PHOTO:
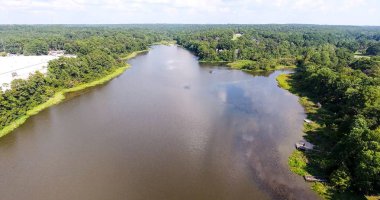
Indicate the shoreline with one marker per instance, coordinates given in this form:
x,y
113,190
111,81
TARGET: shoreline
x,y
298,161
59,96
136,53
133,54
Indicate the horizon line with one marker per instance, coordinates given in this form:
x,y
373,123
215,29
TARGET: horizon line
x,y
32,24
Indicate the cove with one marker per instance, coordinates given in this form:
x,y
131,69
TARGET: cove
x,y
167,128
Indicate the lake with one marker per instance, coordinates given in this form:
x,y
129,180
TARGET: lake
x,y
168,128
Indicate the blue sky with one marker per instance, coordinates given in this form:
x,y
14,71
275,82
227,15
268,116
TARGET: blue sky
x,y
344,12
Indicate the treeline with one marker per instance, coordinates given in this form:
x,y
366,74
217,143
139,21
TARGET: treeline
x,y
98,54
349,90
38,39
271,45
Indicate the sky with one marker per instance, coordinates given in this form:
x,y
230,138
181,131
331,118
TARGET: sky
x,y
334,12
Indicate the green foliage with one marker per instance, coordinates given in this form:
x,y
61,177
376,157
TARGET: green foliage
x,y
321,189
298,163
79,40
242,64
367,66
280,44
282,81
374,50
350,96
341,178
36,47
376,58
346,129
165,42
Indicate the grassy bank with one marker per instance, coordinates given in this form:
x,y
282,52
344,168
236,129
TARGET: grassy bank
x,y
309,163
243,64
246,64
239,64
133,54
60,95
282,81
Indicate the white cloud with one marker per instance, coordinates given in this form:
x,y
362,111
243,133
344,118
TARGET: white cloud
x,y
41,4
310,4
352,4
190,11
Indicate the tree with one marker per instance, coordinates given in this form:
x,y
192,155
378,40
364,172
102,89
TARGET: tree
x,y
374,50
36,47
341,178
359,150
364,64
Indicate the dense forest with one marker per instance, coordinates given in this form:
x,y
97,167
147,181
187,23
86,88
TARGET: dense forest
x,y
337,66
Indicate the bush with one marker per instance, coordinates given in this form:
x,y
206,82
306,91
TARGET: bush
x,y
341,179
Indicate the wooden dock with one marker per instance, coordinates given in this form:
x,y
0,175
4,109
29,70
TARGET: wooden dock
x,y
307,121
304,146
310,178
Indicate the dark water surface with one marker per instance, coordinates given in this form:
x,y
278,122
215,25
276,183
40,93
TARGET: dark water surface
x,y
165,129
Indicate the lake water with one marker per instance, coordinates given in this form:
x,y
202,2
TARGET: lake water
x,y
166,129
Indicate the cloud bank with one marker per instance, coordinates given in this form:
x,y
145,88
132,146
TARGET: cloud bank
x,y
345,12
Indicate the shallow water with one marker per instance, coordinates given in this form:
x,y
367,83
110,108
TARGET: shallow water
x,y
165,129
